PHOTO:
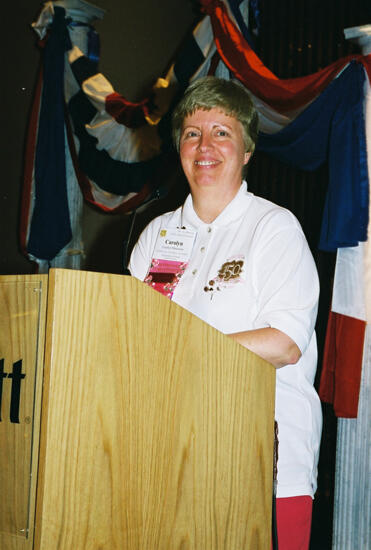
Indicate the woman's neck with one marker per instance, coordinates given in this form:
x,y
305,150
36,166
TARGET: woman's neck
x,y
208,205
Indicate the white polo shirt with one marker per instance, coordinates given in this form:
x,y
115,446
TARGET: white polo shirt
x,y
252,268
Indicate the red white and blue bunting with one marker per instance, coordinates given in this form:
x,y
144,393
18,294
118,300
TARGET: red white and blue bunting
x,y
118,147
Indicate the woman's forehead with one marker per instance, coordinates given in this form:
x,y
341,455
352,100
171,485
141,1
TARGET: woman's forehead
x,y
213,115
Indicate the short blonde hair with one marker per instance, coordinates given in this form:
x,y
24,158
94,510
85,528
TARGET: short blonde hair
x,y
229,96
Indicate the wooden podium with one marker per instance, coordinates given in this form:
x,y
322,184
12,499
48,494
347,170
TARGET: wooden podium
x,y
126,422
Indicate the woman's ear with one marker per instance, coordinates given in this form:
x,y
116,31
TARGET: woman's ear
x,y
247,158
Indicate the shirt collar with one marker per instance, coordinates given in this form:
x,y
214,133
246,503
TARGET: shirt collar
x,y
231,212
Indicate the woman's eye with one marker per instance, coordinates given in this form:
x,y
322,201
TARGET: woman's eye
x,y
222,133
190,134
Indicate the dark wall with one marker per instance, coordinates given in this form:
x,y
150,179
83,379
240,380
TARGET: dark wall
x,y
20,61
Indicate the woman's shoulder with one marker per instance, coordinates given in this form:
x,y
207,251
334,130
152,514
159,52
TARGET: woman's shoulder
x,y
168,219
267,213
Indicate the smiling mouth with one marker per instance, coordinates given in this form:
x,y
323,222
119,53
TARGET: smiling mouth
x,y
206,162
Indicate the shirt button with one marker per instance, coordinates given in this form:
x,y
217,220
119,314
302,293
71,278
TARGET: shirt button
x,y
194,272
202,249
209,229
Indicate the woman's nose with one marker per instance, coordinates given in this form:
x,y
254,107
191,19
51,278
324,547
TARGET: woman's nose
x,y
205,142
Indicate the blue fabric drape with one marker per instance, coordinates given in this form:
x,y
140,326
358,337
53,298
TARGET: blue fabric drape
x,y
332,128
50,228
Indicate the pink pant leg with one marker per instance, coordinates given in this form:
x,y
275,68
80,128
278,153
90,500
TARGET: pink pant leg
x,y
294,518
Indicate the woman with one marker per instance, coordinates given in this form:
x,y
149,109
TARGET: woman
x,y
246,270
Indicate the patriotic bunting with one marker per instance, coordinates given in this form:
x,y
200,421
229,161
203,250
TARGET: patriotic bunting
x,y
51,201
117,147
329,126
343,354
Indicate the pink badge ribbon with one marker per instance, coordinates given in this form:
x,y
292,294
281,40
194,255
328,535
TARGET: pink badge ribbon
x,y
164,275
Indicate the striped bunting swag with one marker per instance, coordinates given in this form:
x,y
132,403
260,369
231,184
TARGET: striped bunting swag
x,y
118,147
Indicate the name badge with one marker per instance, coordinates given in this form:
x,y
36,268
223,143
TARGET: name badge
x,y
171,255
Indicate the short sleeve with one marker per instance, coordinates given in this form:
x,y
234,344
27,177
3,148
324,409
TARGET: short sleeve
x,y
141,255
285,279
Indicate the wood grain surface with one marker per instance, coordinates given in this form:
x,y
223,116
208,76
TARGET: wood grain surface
x,y
22,324
157,430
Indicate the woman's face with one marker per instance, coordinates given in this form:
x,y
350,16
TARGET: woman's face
x,y
212,151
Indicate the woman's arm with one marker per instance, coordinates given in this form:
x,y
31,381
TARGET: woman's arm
x,y
271,344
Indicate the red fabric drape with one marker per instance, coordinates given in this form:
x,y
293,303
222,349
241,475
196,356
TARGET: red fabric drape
x,y
283,95
125,112
342,364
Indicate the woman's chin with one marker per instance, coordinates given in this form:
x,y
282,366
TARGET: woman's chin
x,y
206,180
